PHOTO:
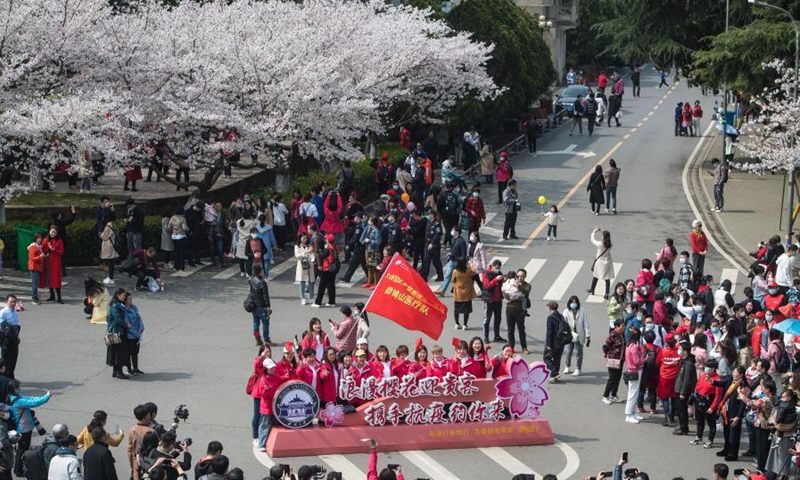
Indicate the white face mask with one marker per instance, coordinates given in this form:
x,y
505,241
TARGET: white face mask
x,y
768,318
680,352
707,370
453,233
649,326
683,261
473,238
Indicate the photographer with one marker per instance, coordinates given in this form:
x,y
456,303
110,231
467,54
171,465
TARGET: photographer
x,y
152,409
281,471
219,467
392,472
167,453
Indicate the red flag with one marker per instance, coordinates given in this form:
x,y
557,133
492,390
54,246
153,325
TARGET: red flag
x,y
403,297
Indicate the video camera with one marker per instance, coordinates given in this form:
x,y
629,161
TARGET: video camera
x,y
181,413
317,471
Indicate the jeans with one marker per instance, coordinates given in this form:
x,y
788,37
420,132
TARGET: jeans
x,y
265,265
611,194
633,393
579,122
719,196
552,230
704,418
304,290
515,319
590,123
612,384
670,407
260,317
134,241
492,309
264,426
577,347
86,184
35,284
216,249
256,421
448,273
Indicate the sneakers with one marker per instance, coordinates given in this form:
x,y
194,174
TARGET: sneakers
x,y
36,301
631,419
303,301
678,431
458,327
696,441
576,373
708,445
566,370
439,292
330,304
616,399
316,305
548,238
638,417
606,400
108,281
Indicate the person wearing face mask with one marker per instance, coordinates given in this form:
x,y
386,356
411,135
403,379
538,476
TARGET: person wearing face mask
x,y
492,297
684,386
732,410
707,397
716,336
659,332
476,254
774,300
634,319
705,290
759,326
433,247
775,351
783,421
476,214
723,297
510,205
650,371
700,352
668,362
449,206
699,243
578,321
686,272
458,253
614,353
634,360
700,315
645,293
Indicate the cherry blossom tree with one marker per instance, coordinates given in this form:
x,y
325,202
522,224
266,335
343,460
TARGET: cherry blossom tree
x,y
74,76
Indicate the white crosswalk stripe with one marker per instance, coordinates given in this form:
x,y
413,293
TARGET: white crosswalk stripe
x,y
533,267
284,266
731,274
339,463
564,280
598,298
428,465
229,272
189,271
507,461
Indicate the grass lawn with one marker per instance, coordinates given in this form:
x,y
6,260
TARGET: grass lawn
x,y
35,199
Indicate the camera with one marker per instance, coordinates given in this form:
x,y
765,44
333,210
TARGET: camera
x,y
317,472
739,471
334,476
181,413
393,466
181,445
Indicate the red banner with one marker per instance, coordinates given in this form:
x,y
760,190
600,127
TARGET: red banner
x,y
405,298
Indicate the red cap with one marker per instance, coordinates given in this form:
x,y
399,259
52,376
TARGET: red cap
x,y
456,342
288,347
329,237
353,194
391,192
681,329
759,315
772,285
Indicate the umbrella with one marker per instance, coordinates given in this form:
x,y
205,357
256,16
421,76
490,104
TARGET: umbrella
x,y
728,129
790,326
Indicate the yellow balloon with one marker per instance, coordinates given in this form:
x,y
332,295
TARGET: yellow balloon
x,y
405,197
542,200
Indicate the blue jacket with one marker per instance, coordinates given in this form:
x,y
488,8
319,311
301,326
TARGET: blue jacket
x,y
630,319
267,237
374,235
115,322
21,410
134,323
317,201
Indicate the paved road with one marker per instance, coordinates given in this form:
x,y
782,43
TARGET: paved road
x,y
198,349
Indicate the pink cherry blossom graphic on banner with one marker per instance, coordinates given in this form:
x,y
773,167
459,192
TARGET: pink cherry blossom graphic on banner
x,y
523,386
332,414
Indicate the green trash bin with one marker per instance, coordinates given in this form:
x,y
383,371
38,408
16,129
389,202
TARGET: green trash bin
x,y
25,235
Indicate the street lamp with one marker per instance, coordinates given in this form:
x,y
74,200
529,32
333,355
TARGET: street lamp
x,y
758,3
544,24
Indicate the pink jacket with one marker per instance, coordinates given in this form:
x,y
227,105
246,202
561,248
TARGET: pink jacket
x,y
333,222
660,315
633,357
645,277
774,354
502,172
258,369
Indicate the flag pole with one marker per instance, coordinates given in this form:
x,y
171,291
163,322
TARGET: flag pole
x,y
379,281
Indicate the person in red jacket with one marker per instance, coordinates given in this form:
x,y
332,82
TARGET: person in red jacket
x,y
329,375
668,362
492,280
285,368
401,364
35,266
308,370
383,174
773,300
439,364
258,370
361,371
644,285
53,249
405,138
500,361
503,171
315,339
707,396
758,332
271,384
381,364
421,368
602,82
699,243
386,473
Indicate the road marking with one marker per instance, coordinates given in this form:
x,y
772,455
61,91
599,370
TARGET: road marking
x,y
634,129
533,267
573,460
599,298
572,192
650,113
355,279
695,210
661,101
507,461
228,272
263,458
571,148
491,231
646,118
564,280
428,465
654,109
626,136
665,96
289,263
730,274
339,463
639,125
189,271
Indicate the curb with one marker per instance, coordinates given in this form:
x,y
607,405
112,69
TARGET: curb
x,y
700,200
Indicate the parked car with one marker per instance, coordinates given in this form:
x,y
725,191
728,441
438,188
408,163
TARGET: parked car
x,y
569,95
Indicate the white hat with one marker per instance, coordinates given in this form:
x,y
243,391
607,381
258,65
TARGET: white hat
x,y
696,222
362,341
268,363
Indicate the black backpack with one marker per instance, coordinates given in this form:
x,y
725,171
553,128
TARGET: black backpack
x,y
33,464
563,333
650,367
784,363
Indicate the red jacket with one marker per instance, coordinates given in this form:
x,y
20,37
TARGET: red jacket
x,y
400,368
661,316
308,374
475,367
284,370
502,171
258,369
35,258
705,388
421,370
602,81
645,277
494,285
271,384
326,383
775,302
755,339
499,366
439,370
326,342
372,471
699,242
474,208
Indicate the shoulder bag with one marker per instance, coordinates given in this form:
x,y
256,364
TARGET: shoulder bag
x,y
112,338
591,269
613,363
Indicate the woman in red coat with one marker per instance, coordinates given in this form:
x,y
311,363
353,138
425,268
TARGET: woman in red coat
x,y
315,338
53,249
500,361
332,207
439,364
421,368
329,375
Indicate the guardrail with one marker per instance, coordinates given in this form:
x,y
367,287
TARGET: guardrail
x,y
520,143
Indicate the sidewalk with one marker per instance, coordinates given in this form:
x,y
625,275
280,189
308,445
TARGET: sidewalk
x,y
754,204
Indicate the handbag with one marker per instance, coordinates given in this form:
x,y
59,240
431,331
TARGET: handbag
x,y
305,264
112,339
251,383
614,363
643,291
591,269
249,304
630,376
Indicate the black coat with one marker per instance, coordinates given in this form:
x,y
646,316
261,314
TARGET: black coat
x,y
687,377
595,188
553,322
98,463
